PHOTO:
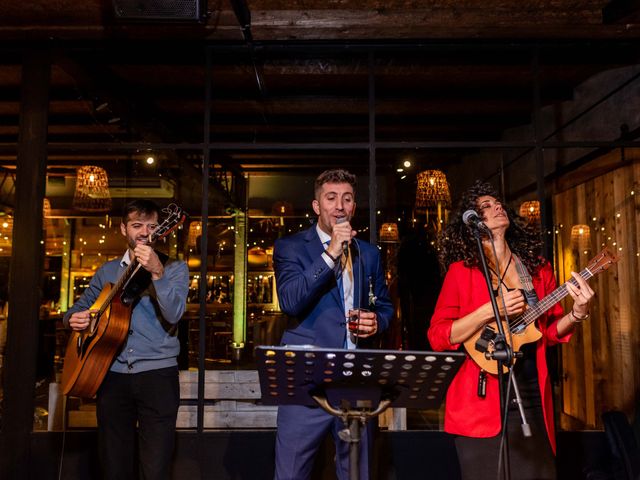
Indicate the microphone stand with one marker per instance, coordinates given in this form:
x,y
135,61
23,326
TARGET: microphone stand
x,y
503,354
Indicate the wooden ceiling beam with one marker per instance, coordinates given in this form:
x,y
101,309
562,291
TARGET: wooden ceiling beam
x,y
288,20
622,12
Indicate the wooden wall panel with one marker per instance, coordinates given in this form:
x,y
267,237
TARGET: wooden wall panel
x,y
601,364
599,332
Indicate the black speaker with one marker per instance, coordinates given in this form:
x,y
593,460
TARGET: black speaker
x,y
163,10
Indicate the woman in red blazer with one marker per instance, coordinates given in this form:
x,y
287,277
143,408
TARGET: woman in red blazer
x,y
472,410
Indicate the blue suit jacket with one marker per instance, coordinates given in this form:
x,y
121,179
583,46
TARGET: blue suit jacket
x,y
308,291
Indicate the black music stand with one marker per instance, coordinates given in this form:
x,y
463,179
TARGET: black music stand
x,y
354,385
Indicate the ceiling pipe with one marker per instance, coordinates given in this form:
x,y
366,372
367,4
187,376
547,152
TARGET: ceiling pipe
x,y
243,15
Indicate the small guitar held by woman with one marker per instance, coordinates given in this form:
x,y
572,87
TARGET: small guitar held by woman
x,y
522,329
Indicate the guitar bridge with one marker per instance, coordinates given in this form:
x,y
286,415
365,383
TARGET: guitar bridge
x,y
486,338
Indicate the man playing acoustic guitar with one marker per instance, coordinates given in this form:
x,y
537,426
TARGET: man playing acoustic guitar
x,y
141,387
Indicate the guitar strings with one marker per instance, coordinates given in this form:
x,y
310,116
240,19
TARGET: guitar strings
x,y
543,305
531,314
589,271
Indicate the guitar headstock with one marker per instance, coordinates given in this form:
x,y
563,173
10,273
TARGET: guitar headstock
x,y
602,261
175,217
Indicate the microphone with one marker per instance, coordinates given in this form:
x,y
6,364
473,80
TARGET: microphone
x,y
345,244
472,219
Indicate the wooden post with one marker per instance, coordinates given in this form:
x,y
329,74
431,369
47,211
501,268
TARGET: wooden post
x,y
26,267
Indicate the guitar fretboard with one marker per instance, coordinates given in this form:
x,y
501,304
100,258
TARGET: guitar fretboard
x,y
118,286
546,303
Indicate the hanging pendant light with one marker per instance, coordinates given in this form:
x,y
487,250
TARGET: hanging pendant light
x,y
530,211
389,233
432,194
433,189
92,190
581,237
195,230
46,208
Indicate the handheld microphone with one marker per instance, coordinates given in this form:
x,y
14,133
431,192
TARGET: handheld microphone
x,y
472,219
345,244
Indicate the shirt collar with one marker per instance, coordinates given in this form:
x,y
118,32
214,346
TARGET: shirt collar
x,y
126,259
324,237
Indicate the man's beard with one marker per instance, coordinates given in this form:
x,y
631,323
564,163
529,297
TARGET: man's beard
x,y
133,242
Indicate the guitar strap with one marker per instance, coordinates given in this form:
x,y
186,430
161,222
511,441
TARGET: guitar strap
x,y
531,298
139,282
530,294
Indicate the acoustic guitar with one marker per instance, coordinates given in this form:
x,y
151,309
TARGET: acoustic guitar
x,y
90,352
522,329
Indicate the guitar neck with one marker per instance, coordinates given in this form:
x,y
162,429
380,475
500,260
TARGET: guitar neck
x,y
124,278
549,301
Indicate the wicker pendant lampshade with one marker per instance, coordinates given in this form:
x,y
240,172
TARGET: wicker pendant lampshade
x,y
389,233
46,208
531,211
433,190
195,230
432,194
92,190
581,237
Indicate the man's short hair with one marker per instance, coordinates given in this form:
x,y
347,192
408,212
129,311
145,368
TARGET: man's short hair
x,y
141,206
335,176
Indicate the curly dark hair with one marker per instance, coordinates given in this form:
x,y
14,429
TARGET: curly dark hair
x,y
457,243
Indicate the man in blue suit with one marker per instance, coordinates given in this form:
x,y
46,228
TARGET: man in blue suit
x,y
324,275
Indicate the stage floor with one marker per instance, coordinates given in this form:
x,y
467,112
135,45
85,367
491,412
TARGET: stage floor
x,y
242,454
